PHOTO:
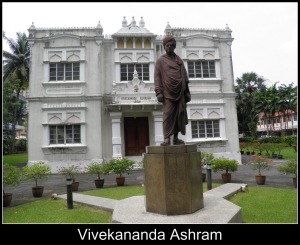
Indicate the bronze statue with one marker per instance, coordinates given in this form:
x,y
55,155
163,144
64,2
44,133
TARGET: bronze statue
x,y
171,88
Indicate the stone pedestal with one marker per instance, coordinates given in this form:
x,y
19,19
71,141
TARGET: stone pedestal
x,y
173,179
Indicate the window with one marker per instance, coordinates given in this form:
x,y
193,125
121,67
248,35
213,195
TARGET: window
x,y
64,71
127,71
65,134
201,69
206,129
295,117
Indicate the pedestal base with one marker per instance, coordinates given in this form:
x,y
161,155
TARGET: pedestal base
x,y
173,179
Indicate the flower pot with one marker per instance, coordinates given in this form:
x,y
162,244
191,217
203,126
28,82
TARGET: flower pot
x,y
274,156
75,185
7,197
242,152
120,181
37,191
295,181
260,179
248,152
99,183
279,156
226,177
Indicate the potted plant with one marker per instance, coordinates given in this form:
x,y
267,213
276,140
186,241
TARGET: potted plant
x,y
280,147
120,166
98,169
242,147
260,163
11,177
224,164
37,172
289,167
206,158
70,172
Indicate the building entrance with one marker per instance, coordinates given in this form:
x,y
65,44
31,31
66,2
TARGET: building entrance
x,y
136,130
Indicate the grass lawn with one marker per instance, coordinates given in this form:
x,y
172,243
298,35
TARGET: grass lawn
x,y
15,158
54,211
267,205
259,205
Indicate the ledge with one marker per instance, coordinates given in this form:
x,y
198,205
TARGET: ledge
x,y
64,149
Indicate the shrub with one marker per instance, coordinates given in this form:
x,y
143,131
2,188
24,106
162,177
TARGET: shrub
x,y
289,167
70,171
37,171
97,168
121,166
260,163
206,158
224,164
11,175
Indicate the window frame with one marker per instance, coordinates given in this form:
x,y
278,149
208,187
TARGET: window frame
x,y
63,72
205,132
64,138
196,69
143,71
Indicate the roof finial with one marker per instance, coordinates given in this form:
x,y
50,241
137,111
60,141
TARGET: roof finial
x,y
99,26
133,22
124,22
142,22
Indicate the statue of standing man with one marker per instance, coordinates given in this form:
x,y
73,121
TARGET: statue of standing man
x,y
171,88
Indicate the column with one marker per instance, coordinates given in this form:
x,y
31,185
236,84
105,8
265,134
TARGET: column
x,y
158,127
116,134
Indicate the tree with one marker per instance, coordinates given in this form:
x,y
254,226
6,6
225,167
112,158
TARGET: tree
x,y
15,79
247,86
273,102
288,102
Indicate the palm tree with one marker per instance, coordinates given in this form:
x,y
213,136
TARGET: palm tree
x,y
273,101
16,71
247,86
288,103
262,105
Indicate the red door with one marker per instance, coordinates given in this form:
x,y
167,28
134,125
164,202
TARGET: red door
x,y
136,135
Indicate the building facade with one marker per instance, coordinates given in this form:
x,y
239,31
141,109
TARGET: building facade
x,y
91,97
280,124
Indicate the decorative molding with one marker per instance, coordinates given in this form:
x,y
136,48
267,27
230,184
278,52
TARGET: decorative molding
x,y
67,149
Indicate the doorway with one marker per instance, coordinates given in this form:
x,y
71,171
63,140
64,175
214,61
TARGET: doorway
x,y
136,131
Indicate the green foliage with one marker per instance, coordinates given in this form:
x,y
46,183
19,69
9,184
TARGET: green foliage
x,y
37,171
224,164
206,158
70,171
290,141
97,168
21,145
11,175
289,167
15,80
247,139
279,147
121,166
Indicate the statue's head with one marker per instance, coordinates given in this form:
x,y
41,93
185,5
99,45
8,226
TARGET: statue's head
x,y
169,38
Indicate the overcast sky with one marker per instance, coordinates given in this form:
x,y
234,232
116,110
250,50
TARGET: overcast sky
x,y
265,34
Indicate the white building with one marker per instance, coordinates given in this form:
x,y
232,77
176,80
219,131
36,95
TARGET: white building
x,y
91,97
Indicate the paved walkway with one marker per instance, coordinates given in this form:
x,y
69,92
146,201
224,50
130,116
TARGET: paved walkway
x,y
55,183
